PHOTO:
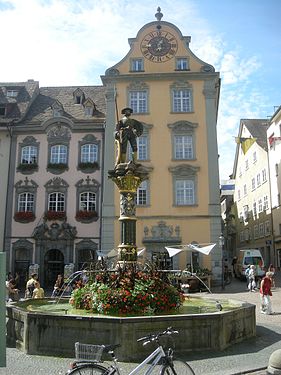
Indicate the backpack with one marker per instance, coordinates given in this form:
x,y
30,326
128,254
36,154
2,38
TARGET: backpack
x,y
247,271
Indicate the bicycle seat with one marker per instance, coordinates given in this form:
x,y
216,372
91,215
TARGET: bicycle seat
x,y
110,348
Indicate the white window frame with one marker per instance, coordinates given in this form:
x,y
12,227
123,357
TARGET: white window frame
x,y
182,100
261,230
253,183
87,201
264,177
26,202
142,143
182,63
142,194
89,153
58,154
258,180
260,205
265,202
138,101
56,202
185,192
137,65
29,155
183,147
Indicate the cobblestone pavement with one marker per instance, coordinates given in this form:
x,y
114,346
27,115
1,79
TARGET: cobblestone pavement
x,y
248,357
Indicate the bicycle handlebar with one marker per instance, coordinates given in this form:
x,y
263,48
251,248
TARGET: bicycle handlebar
x,y
155,336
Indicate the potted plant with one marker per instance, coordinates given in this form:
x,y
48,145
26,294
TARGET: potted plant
x,y
88,166
86,216
24,216
55,215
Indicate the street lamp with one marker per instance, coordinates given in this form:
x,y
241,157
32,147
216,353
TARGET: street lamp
x,y
221,243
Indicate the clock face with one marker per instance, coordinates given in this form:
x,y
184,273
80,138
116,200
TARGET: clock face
x,y
159,46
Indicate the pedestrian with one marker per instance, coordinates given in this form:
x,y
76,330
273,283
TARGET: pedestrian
x,y
265,293
38,292
12,293
233,263
252,286
30,285
247,270
59,286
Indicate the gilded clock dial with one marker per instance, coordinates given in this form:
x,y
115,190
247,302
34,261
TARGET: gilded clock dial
x,y
159,46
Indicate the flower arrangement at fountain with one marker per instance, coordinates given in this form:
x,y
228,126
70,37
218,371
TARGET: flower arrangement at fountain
x,y
128,291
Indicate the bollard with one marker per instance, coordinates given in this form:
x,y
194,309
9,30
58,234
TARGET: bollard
x,y
274,363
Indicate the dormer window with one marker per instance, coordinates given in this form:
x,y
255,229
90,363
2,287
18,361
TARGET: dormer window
x,y
79,96
12,93
89,107
182,63
57,109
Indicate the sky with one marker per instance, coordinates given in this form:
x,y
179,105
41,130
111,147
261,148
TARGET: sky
x,y
72,43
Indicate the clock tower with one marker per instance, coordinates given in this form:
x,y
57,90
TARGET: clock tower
x,y
175,95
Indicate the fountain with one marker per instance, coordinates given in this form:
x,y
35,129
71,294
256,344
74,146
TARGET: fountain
x,y
55,329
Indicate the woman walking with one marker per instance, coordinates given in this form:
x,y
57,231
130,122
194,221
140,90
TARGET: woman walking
x,y
265,293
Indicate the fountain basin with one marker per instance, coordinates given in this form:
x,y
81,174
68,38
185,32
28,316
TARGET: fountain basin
x,y
55,334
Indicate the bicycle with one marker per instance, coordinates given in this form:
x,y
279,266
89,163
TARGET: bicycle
x,y
88,358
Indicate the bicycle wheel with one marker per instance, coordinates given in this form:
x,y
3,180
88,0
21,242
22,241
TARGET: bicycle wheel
x,y
179,368
88,369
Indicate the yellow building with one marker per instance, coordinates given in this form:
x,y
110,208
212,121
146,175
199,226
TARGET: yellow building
x,y
175,95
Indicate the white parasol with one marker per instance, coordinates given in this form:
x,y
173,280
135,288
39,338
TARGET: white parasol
x,y
201,248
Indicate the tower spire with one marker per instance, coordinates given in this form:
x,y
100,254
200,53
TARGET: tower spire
x,y
158,15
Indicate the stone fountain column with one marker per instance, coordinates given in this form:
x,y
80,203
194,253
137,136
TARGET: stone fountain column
x,y
128,177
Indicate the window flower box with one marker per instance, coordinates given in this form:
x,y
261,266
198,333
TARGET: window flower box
x,y
86,216
24,216
88,166
27,168
55,215
57,168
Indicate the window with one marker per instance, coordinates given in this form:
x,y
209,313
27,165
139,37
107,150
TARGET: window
x,y
138,101
246,212
182,100
254,157
267,228
253,184
12,93
87,201
56,202
246,164
261,230
137,65
276,170
242,236
142,194
240,171
26,202
239,194
265,202
181,63
183,147
185,192
29,155
142,147
59,154
245,190
89,111
263,175
258,179
89,153
256,231
260,205
255,209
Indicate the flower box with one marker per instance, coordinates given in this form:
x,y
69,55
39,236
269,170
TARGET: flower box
x,y
86,216
55,215
24,216
27,168
57,168
88,166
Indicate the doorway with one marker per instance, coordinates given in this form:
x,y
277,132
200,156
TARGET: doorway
x,y
53,265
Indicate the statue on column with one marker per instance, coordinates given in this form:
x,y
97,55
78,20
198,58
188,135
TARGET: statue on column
x,y
127,130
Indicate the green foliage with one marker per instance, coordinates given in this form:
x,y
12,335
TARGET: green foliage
x,y
126,292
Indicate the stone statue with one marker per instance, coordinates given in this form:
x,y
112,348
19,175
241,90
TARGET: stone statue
x,y
127,129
